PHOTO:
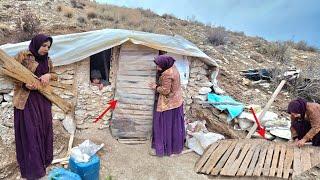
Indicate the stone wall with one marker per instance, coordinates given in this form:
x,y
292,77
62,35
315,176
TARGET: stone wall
x,y
6,111
90,101
198,86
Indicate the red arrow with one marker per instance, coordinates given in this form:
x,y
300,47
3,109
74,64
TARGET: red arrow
x,y
261,131
112,104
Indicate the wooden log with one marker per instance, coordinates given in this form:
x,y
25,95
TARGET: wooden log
x,y
266,108
216,125
14,69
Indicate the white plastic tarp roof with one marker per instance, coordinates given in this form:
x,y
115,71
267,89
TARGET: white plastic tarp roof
x,y
70,48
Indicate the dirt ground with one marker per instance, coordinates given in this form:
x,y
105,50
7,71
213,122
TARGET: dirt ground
x,y
123,161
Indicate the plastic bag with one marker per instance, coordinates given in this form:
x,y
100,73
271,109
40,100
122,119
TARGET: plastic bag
x,y
85,150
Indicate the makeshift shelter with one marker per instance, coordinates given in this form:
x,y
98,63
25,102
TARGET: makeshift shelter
x,y
125,59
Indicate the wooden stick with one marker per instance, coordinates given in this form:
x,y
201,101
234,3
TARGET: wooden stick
x,y
14,69
266,108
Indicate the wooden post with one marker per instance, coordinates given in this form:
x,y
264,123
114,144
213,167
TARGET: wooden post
x,y
266,108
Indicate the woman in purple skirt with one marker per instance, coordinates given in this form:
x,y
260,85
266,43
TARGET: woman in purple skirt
x,y
32,112
168,135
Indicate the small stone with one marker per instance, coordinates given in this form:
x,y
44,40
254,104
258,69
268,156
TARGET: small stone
x,y
204,90
67,77
69,82
201,97
58,116
1,98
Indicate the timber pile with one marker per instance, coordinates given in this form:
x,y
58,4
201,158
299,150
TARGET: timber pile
x,y
257,158
12,68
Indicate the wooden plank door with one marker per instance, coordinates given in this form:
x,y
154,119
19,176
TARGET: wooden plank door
x,y
133,115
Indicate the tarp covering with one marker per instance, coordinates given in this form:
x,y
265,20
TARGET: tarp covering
x,y
233,110
71,48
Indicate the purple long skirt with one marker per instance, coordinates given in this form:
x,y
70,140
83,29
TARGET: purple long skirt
x,y
34,136
302,128
168,135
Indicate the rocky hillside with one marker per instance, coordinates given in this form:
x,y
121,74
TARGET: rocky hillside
x,y
234,51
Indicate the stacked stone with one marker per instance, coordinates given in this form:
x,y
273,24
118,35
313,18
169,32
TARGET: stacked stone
x,y
199,84
6,110
91,101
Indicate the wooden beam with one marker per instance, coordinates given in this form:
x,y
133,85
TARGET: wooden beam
x,y
266,108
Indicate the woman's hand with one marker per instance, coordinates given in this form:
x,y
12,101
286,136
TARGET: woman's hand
x,y
45,79
32,86
301,142
152,85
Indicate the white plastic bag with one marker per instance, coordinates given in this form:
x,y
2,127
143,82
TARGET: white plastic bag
x,y
85,150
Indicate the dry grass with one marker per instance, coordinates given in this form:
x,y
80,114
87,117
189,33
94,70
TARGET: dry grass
x,y
91,14
27,26
303,45
82,20
217,36
68,12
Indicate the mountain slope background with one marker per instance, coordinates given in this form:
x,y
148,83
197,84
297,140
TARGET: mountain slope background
x,y
234,51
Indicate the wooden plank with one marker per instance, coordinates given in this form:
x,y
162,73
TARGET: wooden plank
x,y
232,158
140,66
136,90
135,107
275,159
235,166
262,157
126,84
138,72
315,156
297,167
288,162
120,115
267,163
220,150
246,161
265,109
137,60
135,96
134,101
283,152
203,159
305,159
254,161
136,78
221,163
134,112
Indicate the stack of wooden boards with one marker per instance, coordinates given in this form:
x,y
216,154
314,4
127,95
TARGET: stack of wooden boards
x,y
253,157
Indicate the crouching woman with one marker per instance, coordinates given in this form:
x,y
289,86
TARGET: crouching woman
x,y
305,122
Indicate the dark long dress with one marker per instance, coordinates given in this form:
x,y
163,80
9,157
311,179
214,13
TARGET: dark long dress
x,y
34,133
302,128
168,132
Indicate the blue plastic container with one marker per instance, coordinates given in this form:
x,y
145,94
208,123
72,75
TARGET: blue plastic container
x,y
88,170
62,174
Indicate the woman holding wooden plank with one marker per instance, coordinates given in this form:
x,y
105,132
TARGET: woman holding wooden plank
x,y
168,133
32,112
305,122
